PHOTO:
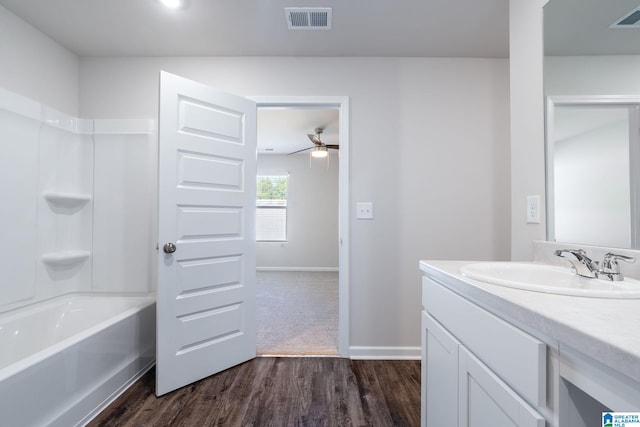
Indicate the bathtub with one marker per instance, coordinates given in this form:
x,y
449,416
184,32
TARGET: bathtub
x,y
64,359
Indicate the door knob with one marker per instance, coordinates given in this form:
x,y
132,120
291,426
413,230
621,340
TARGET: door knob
x,y
169,248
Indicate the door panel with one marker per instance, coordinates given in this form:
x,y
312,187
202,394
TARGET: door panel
x,y
484,399
442,375
206,288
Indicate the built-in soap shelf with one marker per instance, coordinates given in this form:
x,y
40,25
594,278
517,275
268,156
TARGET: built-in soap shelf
x,y
65,258
67,200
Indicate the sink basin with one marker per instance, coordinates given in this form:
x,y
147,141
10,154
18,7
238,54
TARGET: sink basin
x,y
549,279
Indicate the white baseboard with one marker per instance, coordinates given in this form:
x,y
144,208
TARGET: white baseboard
x,y
384,353
297,269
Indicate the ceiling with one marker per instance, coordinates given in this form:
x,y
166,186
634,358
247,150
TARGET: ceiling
x,y
383,28
581,27
283,131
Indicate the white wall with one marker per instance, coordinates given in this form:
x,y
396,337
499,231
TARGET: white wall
x,y
429,147
592,75
35,66
312,214
527,123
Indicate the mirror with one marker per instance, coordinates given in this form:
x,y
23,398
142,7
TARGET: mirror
x,y
592,170
592,89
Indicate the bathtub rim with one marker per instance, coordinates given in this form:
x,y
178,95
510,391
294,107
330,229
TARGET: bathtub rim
x,y
146,299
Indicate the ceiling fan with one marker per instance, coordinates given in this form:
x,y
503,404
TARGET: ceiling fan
x,y
319,148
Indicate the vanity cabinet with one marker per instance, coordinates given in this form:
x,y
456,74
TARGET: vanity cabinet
x,y
441,352
478,370
494,355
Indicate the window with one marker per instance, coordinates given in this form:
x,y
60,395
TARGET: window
x,y
271,208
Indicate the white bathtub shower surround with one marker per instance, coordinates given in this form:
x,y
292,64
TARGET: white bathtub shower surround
x,y
64,359
125,205
65,204
78,203
19,133
78,207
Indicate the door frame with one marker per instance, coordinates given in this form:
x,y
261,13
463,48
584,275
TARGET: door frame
x,y
340,103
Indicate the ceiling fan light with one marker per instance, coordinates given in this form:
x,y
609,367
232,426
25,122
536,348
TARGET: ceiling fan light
x,y
319,152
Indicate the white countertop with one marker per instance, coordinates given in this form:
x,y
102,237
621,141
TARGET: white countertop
x,y
607,330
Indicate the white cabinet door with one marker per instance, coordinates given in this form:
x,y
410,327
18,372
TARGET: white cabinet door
x,y
206,267
441,375
485,400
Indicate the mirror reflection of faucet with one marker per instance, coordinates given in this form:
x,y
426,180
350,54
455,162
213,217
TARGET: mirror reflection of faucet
x,y
608,269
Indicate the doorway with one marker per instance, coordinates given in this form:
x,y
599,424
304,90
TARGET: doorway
x,y
206,210
338,105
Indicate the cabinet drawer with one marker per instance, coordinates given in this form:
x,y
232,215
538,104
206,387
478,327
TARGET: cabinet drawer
x,y
516,357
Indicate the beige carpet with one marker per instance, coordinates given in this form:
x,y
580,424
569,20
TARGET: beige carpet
x,y
297,313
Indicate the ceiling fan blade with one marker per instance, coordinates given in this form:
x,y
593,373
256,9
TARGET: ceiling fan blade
x,y
334,146
300,151
314,138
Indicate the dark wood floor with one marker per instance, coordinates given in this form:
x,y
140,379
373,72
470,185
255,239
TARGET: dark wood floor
x,y
278,392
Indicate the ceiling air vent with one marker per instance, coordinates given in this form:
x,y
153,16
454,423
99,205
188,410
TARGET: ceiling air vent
x,y
630,20
308,18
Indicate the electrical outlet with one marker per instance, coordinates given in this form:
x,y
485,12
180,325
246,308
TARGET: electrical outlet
x,y
533,209
364,210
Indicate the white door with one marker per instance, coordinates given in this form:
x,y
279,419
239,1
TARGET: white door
x,y
206,265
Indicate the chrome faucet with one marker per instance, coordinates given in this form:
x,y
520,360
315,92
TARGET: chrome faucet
x,y
608,269
582,264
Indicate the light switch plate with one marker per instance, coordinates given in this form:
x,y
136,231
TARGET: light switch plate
x,y
364,210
